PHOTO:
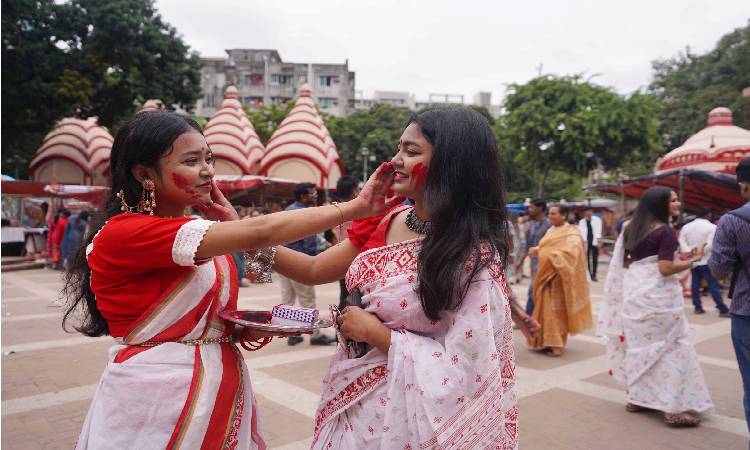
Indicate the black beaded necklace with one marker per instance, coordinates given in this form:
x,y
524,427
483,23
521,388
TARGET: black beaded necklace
x,y
416,224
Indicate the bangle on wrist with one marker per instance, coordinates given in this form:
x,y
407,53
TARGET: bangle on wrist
x,y
341,212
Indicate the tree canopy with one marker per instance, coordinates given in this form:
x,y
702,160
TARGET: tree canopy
x,y
689,86
377,129
84,58
565,125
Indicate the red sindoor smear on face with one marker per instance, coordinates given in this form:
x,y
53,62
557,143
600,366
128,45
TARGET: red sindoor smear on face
x,y
184,184
419,176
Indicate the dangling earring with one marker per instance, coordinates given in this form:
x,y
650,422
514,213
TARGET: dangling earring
x,y
148,201
124,207
147,204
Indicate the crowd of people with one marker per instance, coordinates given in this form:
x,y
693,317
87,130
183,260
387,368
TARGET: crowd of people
x,y
432,258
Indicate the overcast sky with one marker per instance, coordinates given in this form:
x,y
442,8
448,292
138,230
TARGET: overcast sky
x,y
462,46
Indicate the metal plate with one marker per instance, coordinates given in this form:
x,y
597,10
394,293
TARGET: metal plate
x,y
264,321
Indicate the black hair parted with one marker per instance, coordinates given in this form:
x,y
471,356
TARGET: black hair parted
x,y
464,196
142,140
652,209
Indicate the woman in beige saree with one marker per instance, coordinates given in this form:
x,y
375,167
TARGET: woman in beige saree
x,y
561,289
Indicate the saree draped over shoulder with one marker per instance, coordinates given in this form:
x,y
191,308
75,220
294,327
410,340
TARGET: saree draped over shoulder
x,y
167,394
561,289
649,349
443,384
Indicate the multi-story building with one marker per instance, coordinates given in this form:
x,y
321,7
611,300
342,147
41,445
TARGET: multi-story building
x,y
262,78
395,98
483,98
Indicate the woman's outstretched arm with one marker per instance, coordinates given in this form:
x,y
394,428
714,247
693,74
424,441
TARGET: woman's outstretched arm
x,y
288,226
326,267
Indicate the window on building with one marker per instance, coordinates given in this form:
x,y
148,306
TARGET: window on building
x,y
209,101
254,79
303,79
280,80
328,80
326,103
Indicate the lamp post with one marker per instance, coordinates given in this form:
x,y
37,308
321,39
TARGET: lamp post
x,y
365,152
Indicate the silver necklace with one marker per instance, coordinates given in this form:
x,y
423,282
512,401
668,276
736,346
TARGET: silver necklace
x,y
416,224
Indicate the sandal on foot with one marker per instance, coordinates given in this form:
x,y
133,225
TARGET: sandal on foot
x,y
681,419
635,408
555,352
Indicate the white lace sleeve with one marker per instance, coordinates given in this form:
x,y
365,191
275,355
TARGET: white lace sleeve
x,y
187,240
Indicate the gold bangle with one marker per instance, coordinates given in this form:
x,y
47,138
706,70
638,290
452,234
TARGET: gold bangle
x,y
341,212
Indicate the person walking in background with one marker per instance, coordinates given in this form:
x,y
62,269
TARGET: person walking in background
x,y
57,238
514,270
561,292
346,188
537,227
700,233
305,196
590,227
73,236
649,349
730,256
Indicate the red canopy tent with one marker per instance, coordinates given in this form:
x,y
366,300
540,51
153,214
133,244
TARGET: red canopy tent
x,y
93,194
716,191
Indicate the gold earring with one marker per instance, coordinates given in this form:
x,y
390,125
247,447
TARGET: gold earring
x,y
147,204
124,207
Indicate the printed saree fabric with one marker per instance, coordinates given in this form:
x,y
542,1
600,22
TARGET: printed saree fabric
x,y
170,395
649,349
443,384
561,289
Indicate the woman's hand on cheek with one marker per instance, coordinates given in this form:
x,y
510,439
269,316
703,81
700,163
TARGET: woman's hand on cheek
x,y
219,209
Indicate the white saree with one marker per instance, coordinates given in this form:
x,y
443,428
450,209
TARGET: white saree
x,y
649,349
443,384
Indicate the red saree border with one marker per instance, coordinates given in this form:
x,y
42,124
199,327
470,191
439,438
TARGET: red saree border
x,y
351,393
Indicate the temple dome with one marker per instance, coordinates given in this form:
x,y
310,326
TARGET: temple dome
x,y
301,148
716,148
232,138
152,104
75,152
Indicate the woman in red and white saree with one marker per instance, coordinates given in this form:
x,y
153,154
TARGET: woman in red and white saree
x,y
157,390
443,384
156,281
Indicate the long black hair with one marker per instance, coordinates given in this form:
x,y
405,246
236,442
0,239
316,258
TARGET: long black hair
x,y
652,209
464,196
143,140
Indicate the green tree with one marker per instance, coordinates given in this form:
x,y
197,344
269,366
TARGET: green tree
x,y
690,85
87,58
377,129
567,125
266,119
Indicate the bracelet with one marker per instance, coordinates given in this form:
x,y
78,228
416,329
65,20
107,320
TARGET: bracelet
x,y
252,346
261,264
341,212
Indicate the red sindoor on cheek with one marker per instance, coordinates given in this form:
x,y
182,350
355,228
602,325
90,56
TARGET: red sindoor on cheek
x,y
184,184
419,176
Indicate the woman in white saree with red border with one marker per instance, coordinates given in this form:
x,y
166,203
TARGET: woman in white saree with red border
x,y
443,384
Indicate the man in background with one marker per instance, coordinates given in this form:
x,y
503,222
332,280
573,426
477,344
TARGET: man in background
x,y
538,226
347,188
305,196
590,227
700,233
730,256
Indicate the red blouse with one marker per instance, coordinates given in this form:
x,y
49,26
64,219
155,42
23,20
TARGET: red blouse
x,y
134,259
371,232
